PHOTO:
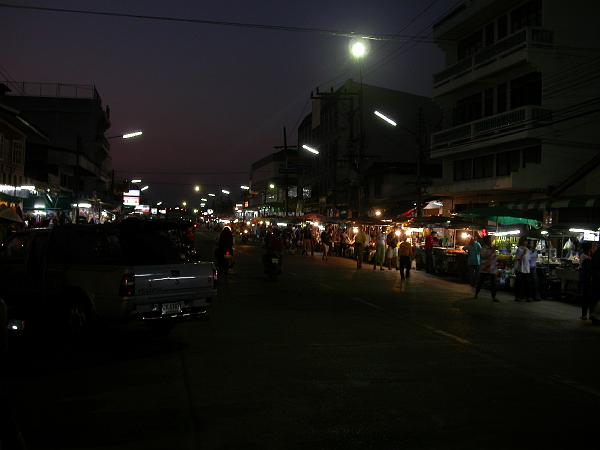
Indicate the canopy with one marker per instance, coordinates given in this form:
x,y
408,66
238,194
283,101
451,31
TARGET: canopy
x,y
505,216
10,215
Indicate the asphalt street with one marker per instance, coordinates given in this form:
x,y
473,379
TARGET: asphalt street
x,y
326,357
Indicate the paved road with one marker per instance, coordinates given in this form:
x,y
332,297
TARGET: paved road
x,y
327,357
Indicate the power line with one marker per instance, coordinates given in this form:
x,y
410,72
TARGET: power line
x,y
260,26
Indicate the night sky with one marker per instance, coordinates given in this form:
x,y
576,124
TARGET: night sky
x,y
210,99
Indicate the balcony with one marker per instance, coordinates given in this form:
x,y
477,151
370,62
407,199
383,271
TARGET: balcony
x,y
526,38
501,125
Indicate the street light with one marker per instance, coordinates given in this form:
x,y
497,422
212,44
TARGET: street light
x,y
271,186
224,191
358,49
136,181
245,188
144,188
203,199
310,149
386,118
159,203
211,195
128,135
197,188
184,204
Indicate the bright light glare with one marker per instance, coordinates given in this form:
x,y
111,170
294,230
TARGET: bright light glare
x,y
378,213
246,188
195,211
579,230
358,49
159,203
310,149
386,118
197,188
465,235
132,134
225,191
39,206
203,199
272,186
397,233
544,232
136,181
144,188
184,203
211,195
355,230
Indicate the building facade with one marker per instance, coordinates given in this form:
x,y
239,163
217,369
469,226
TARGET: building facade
x,y
519,99
365,164
75,158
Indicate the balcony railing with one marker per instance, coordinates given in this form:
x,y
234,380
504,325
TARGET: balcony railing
x,y
520,118
54,90
527,37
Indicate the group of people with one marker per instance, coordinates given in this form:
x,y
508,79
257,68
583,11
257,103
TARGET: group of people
x,y
388,250
483,268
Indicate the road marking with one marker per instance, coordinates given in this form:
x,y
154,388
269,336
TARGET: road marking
x,y
364,302
449,335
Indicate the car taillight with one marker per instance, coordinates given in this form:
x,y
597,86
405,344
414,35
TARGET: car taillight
x,y
127,288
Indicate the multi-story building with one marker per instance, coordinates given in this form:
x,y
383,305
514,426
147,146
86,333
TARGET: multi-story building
x,y
270,178
519,97
365,164
14,131
75,159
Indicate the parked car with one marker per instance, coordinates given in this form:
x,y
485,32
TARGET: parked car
x,y
74,274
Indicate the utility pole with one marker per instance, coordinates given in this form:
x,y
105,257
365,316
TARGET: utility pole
x,y
285,152
420,132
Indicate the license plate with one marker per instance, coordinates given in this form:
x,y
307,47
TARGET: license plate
x,y
171,308
275,261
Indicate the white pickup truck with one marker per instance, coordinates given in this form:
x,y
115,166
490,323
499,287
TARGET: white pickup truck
x,y
70,275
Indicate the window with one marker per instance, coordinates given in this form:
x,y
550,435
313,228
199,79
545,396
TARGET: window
x,y
489,34
306,192
502,27
292,191
527,15
483,166
488,102
526,90
507,162
470,45
462,169
467,109
532,155
501,98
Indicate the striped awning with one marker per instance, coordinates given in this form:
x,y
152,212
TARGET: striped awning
x,y
549,204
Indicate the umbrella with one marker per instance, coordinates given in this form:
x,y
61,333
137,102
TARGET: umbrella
x,y
10,215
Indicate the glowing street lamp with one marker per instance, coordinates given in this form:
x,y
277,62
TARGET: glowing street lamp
x,y
144,188
384,117
271,186
203,199
378,213
211,195
245,188
358,49
310,149
159,203
184,204
137,180
225,191
132,134
197,188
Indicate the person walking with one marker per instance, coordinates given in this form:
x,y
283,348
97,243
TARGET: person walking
x,y
474,251
391,254
380,250
325,243
488,268
360,241
522,270
307,241
585,281
429,244
405,254
532,281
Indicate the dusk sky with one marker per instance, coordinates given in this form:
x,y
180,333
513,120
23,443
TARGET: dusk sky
x,y
212,99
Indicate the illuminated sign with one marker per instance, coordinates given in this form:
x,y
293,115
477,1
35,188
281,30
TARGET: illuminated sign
x,y
132,193
591,235
131,201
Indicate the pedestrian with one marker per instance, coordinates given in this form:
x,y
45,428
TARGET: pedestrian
x,y
585,281
325,243
522,270
391,255
379,250
429,244
307,241
532,281
474,251
360,241
595,292
487,268
405,254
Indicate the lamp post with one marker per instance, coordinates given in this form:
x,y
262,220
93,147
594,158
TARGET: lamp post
x,y
419,138
359,49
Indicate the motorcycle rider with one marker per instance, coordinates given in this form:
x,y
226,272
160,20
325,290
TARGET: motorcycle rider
x,y
225,246
274,248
